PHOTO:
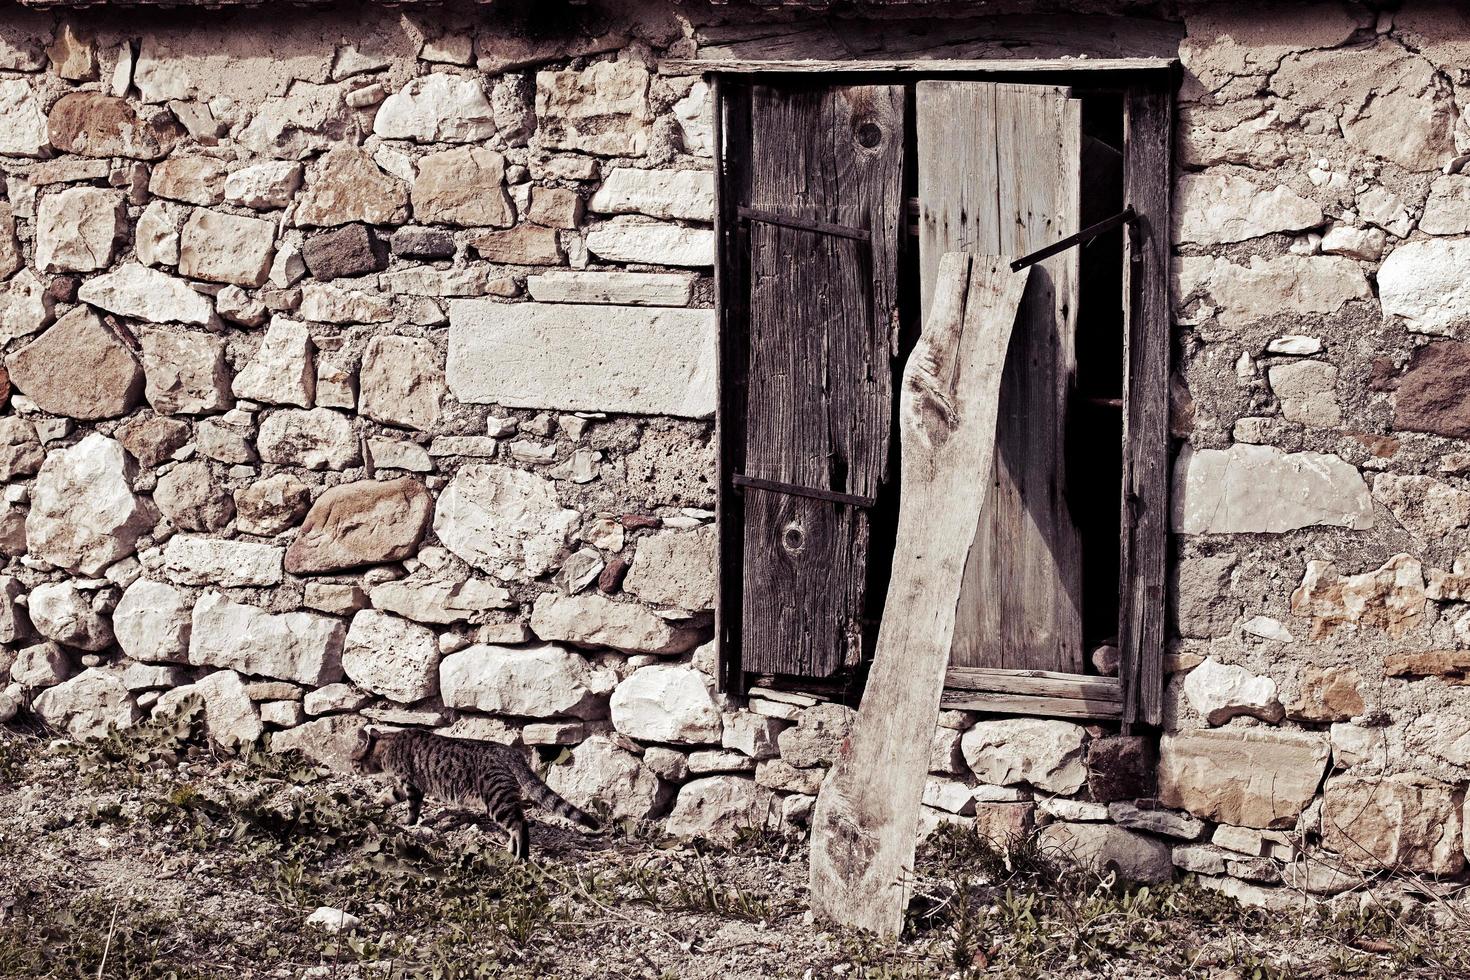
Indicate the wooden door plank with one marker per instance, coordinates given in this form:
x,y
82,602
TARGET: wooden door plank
x,y
819,390
1035,706
929,66
1037,682
1148,121
1021,605
867,812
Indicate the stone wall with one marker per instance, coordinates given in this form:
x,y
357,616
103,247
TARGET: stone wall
x,y
360,368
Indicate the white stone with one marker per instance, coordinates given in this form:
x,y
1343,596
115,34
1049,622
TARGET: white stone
x,y
400,382
1426,507
1220,692
440,601
596,620
1447,212
320,439
1307,391
142,293
695,120
264,186
503,521
1049,755
308,119
1266,628
89,705
684,194
612,288
1354,745
156,239
396,454
392,657
60,612
754,735
78,229
949,795
652,243
667,703
84,515
333,921
1293,284
540,681
152,622
720,808
185,371
1260,489
438,108
334,698
222,247
1423,283
1381,207
1295,345
296,646
583,358
1355,243
40,665
1215,208
192,559
231,717
23,131
603,109
25,305
282,371
600,771
1078,811
675,568
329,304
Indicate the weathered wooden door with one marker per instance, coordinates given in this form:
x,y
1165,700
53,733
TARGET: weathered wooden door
x,y
821,213
999,174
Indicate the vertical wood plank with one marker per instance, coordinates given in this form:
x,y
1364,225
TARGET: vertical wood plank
x,y
819,394
731,116
1021,603
1148,119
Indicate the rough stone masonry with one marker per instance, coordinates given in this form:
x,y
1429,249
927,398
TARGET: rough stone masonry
x,y
358,366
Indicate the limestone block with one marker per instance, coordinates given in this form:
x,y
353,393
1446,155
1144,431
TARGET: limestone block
x,y
583,358
95,125
192,559
818,736
595,620
25,305
361,523
391,657
89,705
230,717
264,186
41,665
441,601
1049,755
612,288
696,120
20,448
1447,211
1391,598
308,119
1426,507
1246,489
327,741
1296,284
272,505
282,371
437,108
463,186
222,247
601,772
23,129
156,238
602,109
84,515
11,258
102,378
503,521
1214,208
319,439
191,179
521,245
684,194
77,229
401,383
1307,391
185,372
345,185
1102,847
192,500
1220,692
675,568
652,243
1404,821
1243,777
141,293
1420,283
334,698
62,613
152,622
667,703
296,646
539,681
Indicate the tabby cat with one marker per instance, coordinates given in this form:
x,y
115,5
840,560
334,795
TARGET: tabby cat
x,y
463,771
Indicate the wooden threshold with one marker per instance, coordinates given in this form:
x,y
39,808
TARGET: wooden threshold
x,y
729,66
1032,692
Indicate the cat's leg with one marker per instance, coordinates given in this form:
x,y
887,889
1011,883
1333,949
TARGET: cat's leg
x,y
415,798
512,819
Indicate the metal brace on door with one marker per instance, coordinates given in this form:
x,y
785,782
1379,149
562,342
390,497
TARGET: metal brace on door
x,y
1125,217
794,490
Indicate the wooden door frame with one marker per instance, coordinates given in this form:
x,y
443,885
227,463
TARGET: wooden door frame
x,y
1147,86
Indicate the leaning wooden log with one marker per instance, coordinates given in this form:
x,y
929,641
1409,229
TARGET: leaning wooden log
x,y
867,814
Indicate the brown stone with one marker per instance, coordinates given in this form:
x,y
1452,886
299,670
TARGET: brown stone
x,y
361,523
271,505
555,207
1434,393
1427,663
1327,695
463,186
191,499
153,440
523,245
1404,822
1121,767
1004,823
197,180
1242,777
1391,597
352,250
95,125
610,580
345,185
79,368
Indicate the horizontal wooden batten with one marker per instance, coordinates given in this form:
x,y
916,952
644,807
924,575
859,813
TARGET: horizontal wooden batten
x,y
1040,683
685,66
1040,706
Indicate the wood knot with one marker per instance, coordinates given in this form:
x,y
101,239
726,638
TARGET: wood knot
x,y
793,538
869,134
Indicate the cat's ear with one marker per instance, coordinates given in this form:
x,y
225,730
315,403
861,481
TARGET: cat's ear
x,y
366,736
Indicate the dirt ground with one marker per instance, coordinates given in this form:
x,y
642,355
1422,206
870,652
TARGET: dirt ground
x,y
148,856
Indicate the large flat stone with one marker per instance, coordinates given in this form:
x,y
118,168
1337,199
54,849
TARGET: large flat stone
x,y
612,288
539,681
685,194
1423,283
103,379
1215,208
361,523
595,620
602,109
296,646
142,293
503,520
1292,284
84,515
1248,488
1405,821
1242,777
583,358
